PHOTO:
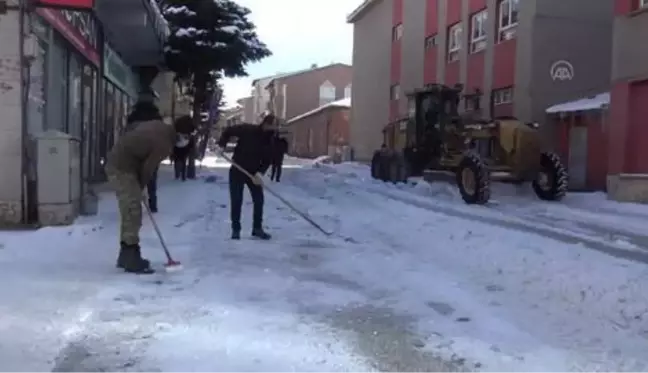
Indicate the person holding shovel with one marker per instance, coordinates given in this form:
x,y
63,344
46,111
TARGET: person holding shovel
x,y
131,165
253,153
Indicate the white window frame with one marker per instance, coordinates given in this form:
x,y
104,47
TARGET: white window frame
x,y
455,34
327,93
397,32
503,96
394,92
478,26
643,4
507,26
347,91
431,41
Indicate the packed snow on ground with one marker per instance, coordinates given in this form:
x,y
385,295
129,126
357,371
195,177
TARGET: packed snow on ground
x,y
409,280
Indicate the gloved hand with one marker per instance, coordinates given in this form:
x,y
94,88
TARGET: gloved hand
x,y
257,179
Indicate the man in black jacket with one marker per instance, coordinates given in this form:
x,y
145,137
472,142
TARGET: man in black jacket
x,y
253,153
279,149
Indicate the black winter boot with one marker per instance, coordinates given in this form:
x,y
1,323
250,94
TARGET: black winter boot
x,y
123,254
260,234
131,260
236,235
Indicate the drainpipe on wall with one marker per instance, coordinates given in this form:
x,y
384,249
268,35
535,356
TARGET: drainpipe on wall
x,y
24,102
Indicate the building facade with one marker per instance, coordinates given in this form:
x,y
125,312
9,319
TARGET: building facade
x,y
299,92
322,131
69,81
522,56
246,103
259,100
628,112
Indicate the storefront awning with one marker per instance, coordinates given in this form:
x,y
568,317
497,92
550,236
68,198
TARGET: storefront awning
x,y
135,28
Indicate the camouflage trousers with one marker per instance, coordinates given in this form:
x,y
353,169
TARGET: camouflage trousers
x,y
129,198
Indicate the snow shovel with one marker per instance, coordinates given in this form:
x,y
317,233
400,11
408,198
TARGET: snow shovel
x,y
279,197
171,265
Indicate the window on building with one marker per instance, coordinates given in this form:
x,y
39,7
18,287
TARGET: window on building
x,y
431,42
503,96
508,19
394,92
455,33
326,93
347,91
643,3
478,31
397,32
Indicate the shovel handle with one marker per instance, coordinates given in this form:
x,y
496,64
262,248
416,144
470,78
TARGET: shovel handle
x,y
279,197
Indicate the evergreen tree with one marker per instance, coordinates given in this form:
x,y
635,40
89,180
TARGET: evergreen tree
x,y
209,39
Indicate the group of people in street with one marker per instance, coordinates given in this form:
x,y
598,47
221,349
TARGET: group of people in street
x,y
133,163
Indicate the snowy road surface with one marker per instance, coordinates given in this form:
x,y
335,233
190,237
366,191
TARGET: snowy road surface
x,y
412,279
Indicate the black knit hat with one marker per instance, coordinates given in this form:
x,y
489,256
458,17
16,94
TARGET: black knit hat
x,y
184,125
268,119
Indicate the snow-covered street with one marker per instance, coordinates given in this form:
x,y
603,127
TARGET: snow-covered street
x,y
411,280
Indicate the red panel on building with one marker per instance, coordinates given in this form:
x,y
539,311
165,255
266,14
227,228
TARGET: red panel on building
x,y
637,143
397,13
452,73
619,97
60,23
429,72
476,5
66,4
453,12
596,167
475,73
432,17
625,6
504,64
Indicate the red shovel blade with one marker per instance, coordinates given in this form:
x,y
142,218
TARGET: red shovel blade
x,y
172,266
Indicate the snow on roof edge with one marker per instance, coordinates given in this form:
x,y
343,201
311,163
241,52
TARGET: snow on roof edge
x,y
360,10
343,103
595,102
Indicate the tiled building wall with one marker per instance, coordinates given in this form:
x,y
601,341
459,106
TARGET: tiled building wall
x,y
10,123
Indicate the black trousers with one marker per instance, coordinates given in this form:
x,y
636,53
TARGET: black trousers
x,y
180,167
277,163
151,188
237,182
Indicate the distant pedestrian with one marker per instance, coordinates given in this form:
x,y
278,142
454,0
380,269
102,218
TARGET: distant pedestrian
x,y
182,147
131,166
279,150
253,152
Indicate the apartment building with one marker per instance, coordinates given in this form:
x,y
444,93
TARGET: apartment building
x,y
523,56
259,100
247,104
296,93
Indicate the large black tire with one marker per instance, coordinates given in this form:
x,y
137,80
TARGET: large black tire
x,y
376,165
397,168
556,180
473,179
380,165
